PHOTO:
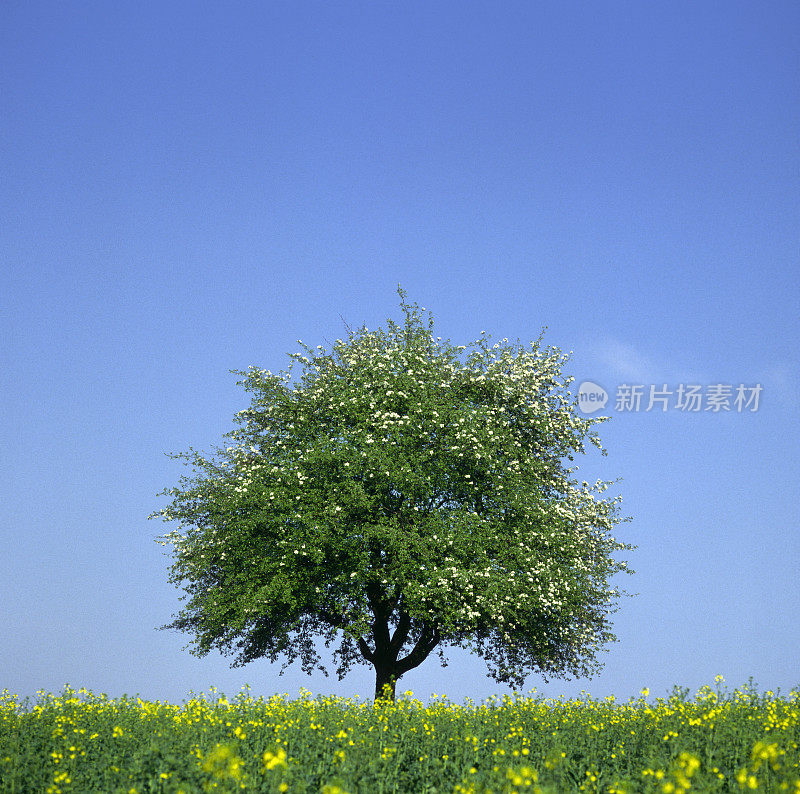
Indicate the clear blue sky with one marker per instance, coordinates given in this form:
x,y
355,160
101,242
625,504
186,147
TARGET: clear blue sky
x,y
191,188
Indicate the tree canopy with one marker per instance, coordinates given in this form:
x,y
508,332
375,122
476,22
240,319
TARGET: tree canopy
x,y
397,500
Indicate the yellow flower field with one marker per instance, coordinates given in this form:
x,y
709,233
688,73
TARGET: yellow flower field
x,y
713,742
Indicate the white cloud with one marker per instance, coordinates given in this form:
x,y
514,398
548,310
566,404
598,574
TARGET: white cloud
x,y
621,362
626,362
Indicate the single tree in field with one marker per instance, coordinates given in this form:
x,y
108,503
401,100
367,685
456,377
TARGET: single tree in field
x,y
401,500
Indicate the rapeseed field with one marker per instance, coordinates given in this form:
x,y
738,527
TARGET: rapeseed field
x,y
715,741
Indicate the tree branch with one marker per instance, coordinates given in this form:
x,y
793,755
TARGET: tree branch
x,y
365,651
428,640
400,634
380,626
444,501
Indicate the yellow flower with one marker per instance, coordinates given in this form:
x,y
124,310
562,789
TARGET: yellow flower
x,y
222,762
689,762
746,780
272,760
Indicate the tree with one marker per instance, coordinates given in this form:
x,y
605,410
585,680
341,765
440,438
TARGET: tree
x,y
400,500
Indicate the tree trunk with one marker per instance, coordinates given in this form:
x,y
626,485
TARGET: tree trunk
x,y
385,683
384,657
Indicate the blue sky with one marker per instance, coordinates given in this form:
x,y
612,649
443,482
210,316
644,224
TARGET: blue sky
x,y
191,188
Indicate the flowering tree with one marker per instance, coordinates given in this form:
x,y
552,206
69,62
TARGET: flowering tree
x,y
400,500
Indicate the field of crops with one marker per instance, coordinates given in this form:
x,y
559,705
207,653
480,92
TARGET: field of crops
x,y
712,742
